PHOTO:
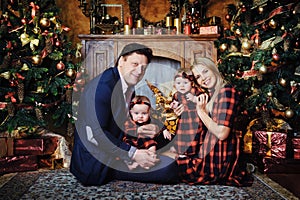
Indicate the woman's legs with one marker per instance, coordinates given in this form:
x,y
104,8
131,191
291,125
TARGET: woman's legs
x,y
166,171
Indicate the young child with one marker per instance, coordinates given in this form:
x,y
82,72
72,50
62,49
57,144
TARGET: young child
x,y
139,112
186,94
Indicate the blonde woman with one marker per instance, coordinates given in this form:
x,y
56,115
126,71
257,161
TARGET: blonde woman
x,y
219,146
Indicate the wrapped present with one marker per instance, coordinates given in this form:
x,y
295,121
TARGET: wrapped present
x,y
271,144
11,164
272,165
50,162
205,30
296,153
6,146
36,146
296,143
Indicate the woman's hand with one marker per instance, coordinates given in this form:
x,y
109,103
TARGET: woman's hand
x,y
202,101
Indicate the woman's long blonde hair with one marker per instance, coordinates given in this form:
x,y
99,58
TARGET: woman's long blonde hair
x,y
207,62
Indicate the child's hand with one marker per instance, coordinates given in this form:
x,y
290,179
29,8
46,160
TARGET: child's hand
x,y
174,104
167,134
191,98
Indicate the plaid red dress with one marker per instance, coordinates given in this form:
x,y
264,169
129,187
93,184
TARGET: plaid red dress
x,y
217,162
131,137
187,137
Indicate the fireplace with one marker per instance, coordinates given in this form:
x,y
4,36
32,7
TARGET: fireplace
x,y
170,53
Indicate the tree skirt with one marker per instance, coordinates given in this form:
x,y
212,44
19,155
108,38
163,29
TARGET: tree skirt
x,y
61,184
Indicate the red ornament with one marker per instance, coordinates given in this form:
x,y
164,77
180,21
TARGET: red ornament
x,y
57,43
228,17
297,43
60,65
24,21
276,57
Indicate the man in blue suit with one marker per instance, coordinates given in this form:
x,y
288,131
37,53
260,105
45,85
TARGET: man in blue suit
x,y
99,154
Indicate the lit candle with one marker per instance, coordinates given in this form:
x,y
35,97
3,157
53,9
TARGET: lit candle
x,y
168,21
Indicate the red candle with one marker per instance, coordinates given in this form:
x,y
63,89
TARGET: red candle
x,y
187,29
130,21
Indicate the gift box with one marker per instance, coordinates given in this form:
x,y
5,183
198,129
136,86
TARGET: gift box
x,y
11,164
296,153
6,146
35,146
269,165
50,162
296,143
271,144
204,30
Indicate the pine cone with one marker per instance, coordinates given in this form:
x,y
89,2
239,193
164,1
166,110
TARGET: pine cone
x,y
11,109
70,129
20,91
38,113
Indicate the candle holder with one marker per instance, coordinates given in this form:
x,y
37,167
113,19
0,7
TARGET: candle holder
x,y
96,11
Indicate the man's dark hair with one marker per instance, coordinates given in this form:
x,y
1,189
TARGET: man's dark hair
x,y
136,48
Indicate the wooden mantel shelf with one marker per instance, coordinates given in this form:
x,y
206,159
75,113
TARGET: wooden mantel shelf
x,y
150,37
101,51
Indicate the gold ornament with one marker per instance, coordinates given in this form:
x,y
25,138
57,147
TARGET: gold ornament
x,y
5,75
25,67
223,47
289,113
282,82
37,60
246,45
36,30
24,37
272,24
238,32
45,22
71,73
263,69
270,94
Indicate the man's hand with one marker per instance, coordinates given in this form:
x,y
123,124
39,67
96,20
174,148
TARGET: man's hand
x,y
145,158
148,130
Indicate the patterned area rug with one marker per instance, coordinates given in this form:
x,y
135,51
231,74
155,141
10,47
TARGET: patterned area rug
x,y
61,184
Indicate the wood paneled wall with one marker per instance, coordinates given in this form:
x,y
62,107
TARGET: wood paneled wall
x,y
152,10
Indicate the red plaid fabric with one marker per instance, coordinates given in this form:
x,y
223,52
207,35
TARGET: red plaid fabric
x,y
133,139
187,136
217,162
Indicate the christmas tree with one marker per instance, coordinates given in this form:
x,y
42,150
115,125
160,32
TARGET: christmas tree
x,y
259,53
38,66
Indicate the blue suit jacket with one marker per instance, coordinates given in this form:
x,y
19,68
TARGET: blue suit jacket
x,y
99,129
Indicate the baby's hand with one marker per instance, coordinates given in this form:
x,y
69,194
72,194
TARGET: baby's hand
x,y
191,98
167,134
174,104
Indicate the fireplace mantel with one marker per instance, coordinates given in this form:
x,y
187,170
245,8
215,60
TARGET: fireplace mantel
x,y
101,51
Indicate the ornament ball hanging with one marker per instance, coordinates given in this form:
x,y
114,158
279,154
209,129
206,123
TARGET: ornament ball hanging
x,y
223,47
289,113
45,22
60,65
263,69
276,57
71,73
282,82
36,60
273,24
228,17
